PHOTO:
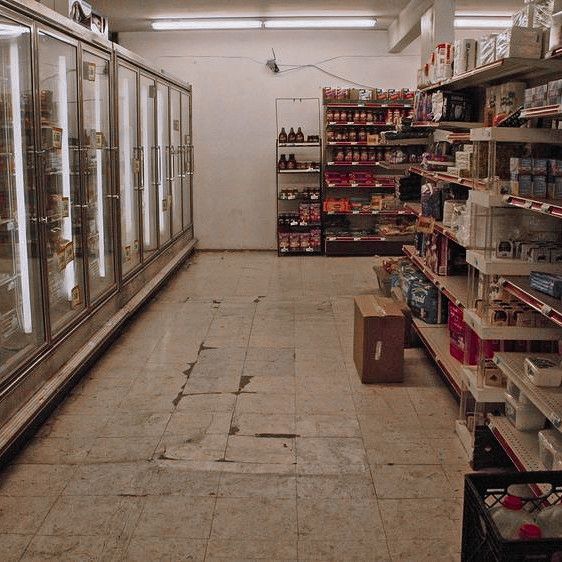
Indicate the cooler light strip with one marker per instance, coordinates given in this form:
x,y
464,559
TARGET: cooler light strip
x,y
99,181
69,272
126,165
147,207
20,190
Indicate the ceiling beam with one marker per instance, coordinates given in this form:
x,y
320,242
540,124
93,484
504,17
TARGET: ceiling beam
x,y
407,27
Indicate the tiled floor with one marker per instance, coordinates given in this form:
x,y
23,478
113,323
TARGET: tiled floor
x,y
228,423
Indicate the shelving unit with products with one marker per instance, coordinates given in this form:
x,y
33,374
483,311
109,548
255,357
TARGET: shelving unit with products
x,y
490,197
367,151
298,160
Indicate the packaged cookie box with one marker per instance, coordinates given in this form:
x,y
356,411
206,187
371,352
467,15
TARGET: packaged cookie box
x,y
550,448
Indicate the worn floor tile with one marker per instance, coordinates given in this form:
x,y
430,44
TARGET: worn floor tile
x,y
327,426
122,449
175,516
182,478
260,449
23,517
331,451
265,403
12,547
425,550
166,549
263,424
74,549
35,479
255,518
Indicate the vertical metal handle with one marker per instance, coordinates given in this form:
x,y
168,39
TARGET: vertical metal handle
x,y
173,161
136,163
180,160
155,166
159,164
191,159
141,173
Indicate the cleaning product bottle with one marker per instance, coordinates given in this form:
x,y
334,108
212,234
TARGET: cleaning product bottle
x,y
509,516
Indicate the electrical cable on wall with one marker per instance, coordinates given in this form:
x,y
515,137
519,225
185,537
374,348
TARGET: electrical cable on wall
x,y
274,66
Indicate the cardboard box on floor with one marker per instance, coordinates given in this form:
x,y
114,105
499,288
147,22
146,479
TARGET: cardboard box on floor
x,y
378,342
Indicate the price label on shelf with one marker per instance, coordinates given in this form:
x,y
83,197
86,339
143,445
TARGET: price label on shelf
x,y
354,212
528,204
545,207
356,239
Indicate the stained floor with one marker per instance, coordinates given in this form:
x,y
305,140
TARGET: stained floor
x,y
228,423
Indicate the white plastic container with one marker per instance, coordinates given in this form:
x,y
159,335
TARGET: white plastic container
x,y
509,517
516,393
543,371
525,417
550,447
550,521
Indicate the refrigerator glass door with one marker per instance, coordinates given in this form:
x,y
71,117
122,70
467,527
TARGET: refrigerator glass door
x,y
187,160
149,166
164,167
21,313
176,160
96,174
60,169
131,181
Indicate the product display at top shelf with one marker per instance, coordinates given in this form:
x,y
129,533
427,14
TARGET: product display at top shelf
x,y
297,139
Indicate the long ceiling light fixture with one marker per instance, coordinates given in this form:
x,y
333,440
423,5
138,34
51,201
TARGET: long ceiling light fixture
x,y
317,23
273,23
482,22
168,25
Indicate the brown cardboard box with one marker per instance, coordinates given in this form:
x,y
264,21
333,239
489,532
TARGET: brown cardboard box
x,y
378,343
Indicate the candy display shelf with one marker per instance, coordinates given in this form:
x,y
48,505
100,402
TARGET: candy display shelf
x,y
417,141
522,447
487,331
454,287
297,144
448,124
490,265
368,104
448,178
502,70
520,287
517,135
358,124
546,207
382,212
435,337
303,171
548,111
547,399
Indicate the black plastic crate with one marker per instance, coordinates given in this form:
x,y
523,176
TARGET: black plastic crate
x,y
481,539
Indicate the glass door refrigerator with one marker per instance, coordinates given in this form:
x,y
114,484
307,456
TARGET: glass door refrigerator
x,y
175,160
187,160
60,173
163,162
149,165
21,311
96,174
131,168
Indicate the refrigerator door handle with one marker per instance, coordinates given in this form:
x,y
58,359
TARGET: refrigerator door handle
x,y
141,178
136,167
155,167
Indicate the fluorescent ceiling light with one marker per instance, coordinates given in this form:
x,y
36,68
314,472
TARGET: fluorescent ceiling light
x,y
483,23
328,23
206,24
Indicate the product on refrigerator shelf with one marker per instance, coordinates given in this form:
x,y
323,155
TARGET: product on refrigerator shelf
x,y
550,447
543,371
524,417
464,55
487,49
520,42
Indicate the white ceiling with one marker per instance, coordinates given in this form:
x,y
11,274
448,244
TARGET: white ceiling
x,y
132,15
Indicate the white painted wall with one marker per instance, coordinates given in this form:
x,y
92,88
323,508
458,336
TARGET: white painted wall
x,y
234,111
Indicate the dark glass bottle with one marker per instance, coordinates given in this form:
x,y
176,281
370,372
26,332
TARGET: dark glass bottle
x,y
283,162
292,163
292,136
283,136
299,136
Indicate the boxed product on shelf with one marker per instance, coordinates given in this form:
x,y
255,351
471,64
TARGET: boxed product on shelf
x,y
536,96
337,205
487,49
452,106
504,99
431,200
524,417
550,447
427,302
554,187
543,371
554,92
535,14
513,390
443,61
521,42
464,55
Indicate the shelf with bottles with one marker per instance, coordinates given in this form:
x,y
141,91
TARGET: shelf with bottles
x,y
384,205
366,116
297,139
358,179
303,243
292,165
390,158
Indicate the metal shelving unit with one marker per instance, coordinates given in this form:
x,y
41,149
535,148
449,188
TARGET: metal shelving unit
x,y
356,231
302,231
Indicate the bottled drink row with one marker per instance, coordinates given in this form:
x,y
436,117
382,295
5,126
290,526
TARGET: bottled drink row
x,y
296,138
378,116
389,155
291,163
